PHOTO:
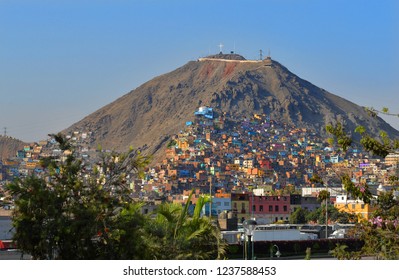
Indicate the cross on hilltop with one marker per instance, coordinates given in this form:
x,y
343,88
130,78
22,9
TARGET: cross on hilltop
x,y
221,47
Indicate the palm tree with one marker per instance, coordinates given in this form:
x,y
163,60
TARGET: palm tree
x,y
173,234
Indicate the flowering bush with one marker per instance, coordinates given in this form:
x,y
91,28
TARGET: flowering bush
x,y
384,224
357,191
380,234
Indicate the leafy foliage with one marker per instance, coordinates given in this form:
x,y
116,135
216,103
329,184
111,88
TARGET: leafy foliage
x,y
357,191
77,212
175,235
299,216
74,213
319,216
380,234
342,139
380,147
341,253
323,195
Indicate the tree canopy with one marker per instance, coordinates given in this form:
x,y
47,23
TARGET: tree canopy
x,y
381,233
80,211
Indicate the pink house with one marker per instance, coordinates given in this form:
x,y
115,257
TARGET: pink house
x,y
270,209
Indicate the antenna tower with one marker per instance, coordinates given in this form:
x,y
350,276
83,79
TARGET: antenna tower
x,y
5,131
260,55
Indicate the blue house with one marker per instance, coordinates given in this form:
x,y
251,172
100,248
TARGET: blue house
x,y
205,111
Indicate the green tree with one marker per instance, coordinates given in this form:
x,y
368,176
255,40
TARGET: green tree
x,y
173,234
323,195
79,211
319,216
339,136
380,234
73,212
299,216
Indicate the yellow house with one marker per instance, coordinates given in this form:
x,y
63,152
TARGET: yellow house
x,y
31,165
240,205
362,210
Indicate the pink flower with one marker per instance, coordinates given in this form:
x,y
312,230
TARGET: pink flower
x,y
362,189
377,221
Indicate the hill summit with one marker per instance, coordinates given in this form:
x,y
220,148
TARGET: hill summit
x,y
150,114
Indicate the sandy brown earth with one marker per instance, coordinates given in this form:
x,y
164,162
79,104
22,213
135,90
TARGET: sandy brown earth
x,y
150,114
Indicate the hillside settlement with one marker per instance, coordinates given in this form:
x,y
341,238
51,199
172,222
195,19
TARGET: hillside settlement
x,y
253,167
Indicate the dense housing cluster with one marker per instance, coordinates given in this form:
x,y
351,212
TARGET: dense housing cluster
x,y
253,166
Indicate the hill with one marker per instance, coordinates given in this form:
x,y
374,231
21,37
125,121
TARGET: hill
x,y
150,114
9,147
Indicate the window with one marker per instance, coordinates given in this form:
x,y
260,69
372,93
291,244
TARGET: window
x,y
270,208
353,206
276,208
362,206
253,208
226,203
285,208
261,208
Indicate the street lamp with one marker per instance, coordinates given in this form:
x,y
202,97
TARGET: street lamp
x,y
278,254
244,248
249,229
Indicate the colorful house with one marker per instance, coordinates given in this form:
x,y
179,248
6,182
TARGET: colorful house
x,y
240,205
270,209
362,210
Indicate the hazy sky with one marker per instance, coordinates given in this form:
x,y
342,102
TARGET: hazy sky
x,y
62,60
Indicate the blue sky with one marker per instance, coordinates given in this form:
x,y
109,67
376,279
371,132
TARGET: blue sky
x,y
62,60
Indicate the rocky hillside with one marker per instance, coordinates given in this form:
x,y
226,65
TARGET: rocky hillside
x,y
150,114
9,147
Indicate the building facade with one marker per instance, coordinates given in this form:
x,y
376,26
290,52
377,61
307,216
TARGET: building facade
x,y
270,209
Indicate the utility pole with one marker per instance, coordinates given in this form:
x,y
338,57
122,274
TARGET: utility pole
x,y
5,131
327,198
210,195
